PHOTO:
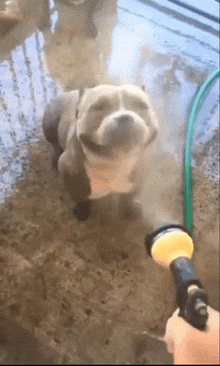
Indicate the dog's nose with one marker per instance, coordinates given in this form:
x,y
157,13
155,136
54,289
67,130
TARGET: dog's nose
x,y
124,119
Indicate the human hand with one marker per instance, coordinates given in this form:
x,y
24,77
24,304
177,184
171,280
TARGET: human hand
x,y
190,345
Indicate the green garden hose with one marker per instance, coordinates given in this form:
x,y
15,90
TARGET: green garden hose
x,y
188,194
172,246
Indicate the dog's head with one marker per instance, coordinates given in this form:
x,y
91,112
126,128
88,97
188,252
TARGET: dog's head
x,y
114,119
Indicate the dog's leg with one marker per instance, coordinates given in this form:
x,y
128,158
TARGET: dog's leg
x,y
51,120
82,210
72,171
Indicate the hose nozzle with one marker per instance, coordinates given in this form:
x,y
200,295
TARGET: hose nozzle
x,y
172,247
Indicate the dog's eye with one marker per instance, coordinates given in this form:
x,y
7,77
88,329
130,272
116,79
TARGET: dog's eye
x,y
140,104
100,106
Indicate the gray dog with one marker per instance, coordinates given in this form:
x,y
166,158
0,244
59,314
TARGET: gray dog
x,y
98,139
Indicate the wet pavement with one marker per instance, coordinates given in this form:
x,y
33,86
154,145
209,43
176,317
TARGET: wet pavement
x,y
92,312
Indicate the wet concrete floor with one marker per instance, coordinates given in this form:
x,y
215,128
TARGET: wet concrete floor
x,y
87,292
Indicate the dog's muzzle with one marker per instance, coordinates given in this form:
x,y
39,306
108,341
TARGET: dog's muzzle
x,y
122,130
124,120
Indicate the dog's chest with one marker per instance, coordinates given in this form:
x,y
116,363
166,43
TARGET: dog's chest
x,y
109,178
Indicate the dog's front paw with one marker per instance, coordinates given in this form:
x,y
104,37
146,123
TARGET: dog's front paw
x,y
82,210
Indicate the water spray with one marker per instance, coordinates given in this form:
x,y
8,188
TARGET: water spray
x,y
172,246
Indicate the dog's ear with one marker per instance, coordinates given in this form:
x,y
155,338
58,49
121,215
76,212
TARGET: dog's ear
x,y
143,87
71,167
51,119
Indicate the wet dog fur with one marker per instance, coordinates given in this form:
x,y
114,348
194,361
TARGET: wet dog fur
x,y
98,141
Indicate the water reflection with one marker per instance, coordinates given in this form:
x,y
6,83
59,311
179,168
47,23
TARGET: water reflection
x,y
78,50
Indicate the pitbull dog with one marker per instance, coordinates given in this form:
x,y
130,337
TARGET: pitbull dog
x,y
98,140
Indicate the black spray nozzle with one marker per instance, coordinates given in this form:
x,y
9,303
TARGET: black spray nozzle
x,y
191,297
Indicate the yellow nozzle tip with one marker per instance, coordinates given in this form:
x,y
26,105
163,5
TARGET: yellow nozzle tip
x,y
170,246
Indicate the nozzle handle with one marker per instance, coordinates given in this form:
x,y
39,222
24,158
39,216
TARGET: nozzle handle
x,y
195,311
191,297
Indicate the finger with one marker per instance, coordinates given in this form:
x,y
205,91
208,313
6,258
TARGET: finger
x,y
171,323
170,344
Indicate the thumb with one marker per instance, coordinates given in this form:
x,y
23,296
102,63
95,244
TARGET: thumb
x,y
170,344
